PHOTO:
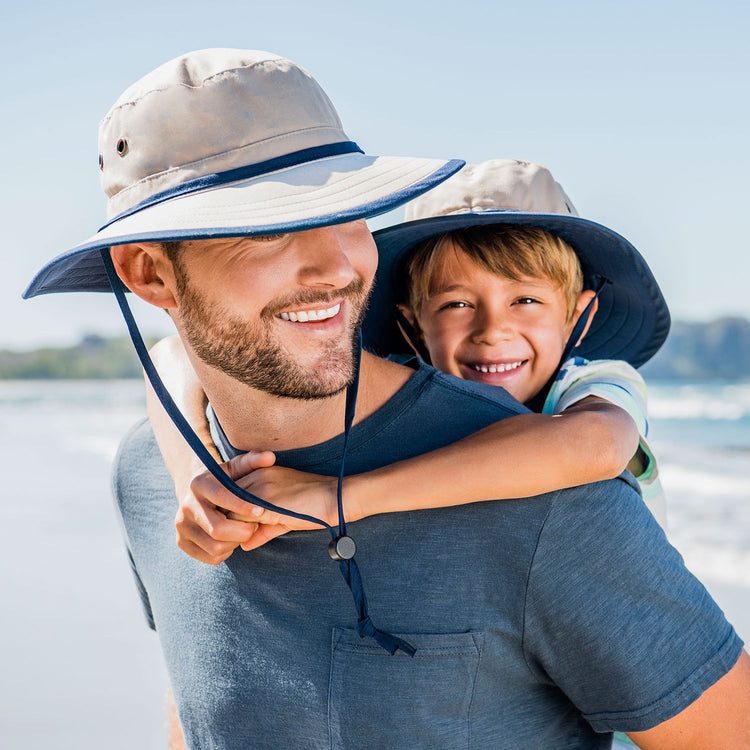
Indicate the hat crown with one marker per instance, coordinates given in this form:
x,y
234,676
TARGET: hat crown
x,y
206,112
494,185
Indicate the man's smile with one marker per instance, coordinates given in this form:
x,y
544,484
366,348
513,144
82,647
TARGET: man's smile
x,y
304,316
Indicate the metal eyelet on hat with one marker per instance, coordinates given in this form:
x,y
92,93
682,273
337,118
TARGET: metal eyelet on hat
x,y
122,147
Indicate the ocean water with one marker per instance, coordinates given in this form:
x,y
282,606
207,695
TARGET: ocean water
x,y
81,670
701,437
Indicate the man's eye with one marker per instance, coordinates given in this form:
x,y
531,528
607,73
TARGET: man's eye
x,y
268,237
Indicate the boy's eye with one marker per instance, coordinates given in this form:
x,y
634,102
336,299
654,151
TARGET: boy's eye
x,y
456,304
525,301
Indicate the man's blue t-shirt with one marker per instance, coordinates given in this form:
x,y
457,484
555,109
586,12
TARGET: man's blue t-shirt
x,y
544,622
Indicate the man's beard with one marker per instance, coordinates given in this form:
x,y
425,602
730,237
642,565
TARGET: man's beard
x,y
251,353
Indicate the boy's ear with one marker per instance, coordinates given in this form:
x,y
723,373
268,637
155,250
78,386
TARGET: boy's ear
x,y
147,272
586,296
409,315
415,330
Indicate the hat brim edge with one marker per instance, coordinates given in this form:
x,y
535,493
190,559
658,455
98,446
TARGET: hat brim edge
x,y
59,274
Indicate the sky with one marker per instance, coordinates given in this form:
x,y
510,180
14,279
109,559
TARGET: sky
x,y
639,109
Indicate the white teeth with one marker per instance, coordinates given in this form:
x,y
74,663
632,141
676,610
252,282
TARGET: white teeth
x,y
303,316
497,368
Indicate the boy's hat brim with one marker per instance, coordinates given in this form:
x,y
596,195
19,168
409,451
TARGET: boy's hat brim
x,y
632,320
226,142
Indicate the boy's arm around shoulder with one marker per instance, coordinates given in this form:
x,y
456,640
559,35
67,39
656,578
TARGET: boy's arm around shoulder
x,y
520,456
180,380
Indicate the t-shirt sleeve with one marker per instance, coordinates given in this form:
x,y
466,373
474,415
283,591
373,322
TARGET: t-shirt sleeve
x,y
614,619
609,379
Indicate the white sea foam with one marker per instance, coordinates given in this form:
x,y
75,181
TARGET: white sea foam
x,y
702,401
707,484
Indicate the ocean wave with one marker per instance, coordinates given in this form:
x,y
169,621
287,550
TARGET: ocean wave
x,y
729,401
713,484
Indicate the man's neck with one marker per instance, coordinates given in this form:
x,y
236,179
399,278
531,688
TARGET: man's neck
x,y
255,420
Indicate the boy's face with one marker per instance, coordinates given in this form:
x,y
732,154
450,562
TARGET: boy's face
x,y
480,326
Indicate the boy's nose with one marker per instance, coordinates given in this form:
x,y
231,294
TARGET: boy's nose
x,y
323,259
491,328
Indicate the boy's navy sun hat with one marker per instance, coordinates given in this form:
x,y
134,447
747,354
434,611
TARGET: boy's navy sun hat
x,y
632,321
224,142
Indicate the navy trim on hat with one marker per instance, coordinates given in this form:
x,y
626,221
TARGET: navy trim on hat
x,y
82,270
248,172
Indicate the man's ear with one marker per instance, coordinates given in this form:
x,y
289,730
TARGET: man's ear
x,y
146,271
586,296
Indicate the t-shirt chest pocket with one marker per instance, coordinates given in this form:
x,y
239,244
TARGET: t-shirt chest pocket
x,y
389,702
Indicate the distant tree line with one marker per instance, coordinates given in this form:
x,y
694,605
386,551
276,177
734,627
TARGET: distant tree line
x,y
94,358
716,350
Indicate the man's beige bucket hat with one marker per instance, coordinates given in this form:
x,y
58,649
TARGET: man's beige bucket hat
x,y
225,142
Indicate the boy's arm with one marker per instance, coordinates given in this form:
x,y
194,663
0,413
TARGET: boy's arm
x,y
180,380
521,456
203,530
518,457
176,739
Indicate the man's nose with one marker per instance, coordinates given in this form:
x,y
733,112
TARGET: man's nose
x,y
491,327
323,259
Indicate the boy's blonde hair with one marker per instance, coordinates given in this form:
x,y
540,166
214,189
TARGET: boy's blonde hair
x,y
508,250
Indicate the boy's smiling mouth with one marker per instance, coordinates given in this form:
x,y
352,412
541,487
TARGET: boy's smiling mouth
x,y
495,373
498,367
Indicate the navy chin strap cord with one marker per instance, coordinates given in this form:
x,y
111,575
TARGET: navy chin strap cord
x,y
341,547
536,403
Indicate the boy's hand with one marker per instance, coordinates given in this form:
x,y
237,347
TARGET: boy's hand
x,y
212,522
203,529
